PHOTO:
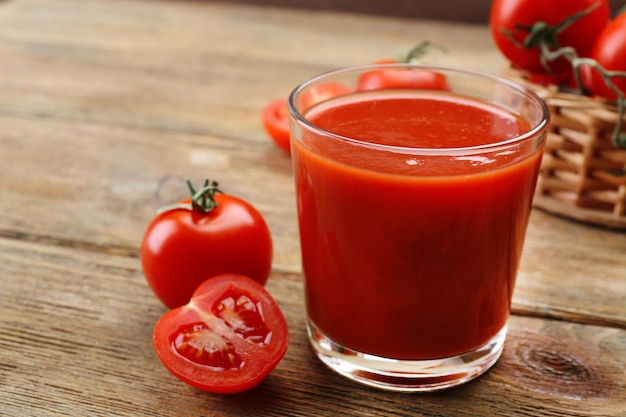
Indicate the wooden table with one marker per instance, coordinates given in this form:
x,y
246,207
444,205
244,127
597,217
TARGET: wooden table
x,y
105,105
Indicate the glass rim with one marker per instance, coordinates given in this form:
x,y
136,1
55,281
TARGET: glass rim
x,y
464,150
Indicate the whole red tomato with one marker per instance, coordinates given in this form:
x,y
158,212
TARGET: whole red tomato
x,y
609,52
210,234
229,337
511,21
394,78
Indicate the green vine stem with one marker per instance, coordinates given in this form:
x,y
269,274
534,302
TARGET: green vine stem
x,y
619,138
545,37
415,54
541,33
202,200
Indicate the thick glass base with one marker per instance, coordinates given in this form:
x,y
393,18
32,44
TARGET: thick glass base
x,y
406,375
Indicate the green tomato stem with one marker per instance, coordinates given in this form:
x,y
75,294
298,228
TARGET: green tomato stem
x,y
540,33
202,200
619,138
543,36
415,54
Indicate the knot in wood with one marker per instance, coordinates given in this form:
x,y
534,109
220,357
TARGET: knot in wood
x,y
557,364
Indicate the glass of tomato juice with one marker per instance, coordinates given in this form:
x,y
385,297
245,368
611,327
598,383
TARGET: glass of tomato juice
x,y
413,195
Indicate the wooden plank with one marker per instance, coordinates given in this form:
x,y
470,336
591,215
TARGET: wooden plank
x,y
76,325
185,65
572,271
100,185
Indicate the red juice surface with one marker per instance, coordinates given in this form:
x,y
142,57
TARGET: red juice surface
x,y
412,256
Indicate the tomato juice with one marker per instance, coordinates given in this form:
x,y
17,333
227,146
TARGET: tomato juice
x,y
410,244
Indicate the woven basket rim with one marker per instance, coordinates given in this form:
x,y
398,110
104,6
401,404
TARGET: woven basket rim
x,y
581,172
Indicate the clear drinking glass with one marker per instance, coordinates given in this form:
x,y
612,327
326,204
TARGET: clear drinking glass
x,y
414,188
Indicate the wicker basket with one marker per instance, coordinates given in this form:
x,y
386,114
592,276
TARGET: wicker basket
x,y
583,174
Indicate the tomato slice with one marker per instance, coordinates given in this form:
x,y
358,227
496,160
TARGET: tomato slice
x,y
276,123
276,114
229,337
397,78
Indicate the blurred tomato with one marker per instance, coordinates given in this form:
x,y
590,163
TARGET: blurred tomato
x,y
511,21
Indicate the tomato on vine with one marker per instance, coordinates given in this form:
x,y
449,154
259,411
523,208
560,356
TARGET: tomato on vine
x,y
209,234
227,339
520,27
609,52
404,78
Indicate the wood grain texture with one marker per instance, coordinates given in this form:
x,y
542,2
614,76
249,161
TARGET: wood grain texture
x,y
105,106
76,331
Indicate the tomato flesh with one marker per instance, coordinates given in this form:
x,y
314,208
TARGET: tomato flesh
x,y
229,337
242,315
199,344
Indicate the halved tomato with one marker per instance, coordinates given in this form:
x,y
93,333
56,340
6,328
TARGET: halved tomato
x,y
275,115
229,337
